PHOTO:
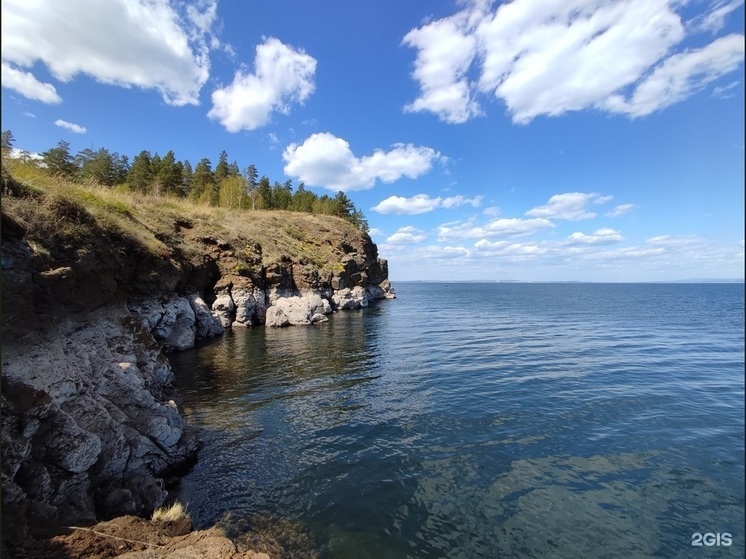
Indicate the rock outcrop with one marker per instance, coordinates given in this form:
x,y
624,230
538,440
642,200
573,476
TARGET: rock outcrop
x,y
89,427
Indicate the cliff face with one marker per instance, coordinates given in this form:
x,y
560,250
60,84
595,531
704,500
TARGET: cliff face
x,y
92,293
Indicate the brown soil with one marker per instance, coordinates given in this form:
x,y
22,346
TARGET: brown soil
x,y
131,537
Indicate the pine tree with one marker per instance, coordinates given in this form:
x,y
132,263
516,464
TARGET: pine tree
x,y
7,143
140,176
186,178
302,200
343,206
169,175
98,166
264,194
58,160
222,169
203,181
251,184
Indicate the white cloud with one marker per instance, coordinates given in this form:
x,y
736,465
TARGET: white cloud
x,y
423,203
77,129
502,227
675,240
406,236
327,161
25,155
547,57
680,76
714,20
282,76
725,91
621,209
146,44
27,85
604,236
446,49
433,253
375,232
29,114
571,206
514,251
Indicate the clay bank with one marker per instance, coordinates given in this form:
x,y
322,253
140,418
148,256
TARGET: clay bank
x,y
95,287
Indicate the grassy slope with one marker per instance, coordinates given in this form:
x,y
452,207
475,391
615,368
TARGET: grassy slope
x,y
63,215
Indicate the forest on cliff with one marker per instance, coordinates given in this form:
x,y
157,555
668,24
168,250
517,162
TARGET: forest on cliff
x,y
225,186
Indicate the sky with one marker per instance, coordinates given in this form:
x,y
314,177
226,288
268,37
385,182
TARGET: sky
x,y
530,140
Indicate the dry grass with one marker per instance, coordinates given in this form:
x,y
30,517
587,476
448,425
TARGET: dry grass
x,y
58,212
170,514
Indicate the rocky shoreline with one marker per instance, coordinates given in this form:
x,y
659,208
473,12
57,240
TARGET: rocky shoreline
x,y
90,430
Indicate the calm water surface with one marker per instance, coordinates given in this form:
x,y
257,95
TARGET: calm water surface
x,y
484,420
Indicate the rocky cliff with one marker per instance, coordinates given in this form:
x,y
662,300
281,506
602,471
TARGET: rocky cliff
x,y
95,286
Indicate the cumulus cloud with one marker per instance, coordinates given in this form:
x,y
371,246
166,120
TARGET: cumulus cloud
x,y
423,203
604,236
621,209
327,161
406,236
27,85
570,206
446,49
146,44
282,76
515,251
546,57
502,227
76,128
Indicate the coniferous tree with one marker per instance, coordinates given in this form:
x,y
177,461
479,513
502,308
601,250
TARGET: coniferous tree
x,y
58,160
302,199
251,184
264,194
186,178
98,166
7,143
203,181
169,174
121,168
282,194
222,169
343,206
140,175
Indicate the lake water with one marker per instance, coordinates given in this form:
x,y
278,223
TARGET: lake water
x,y
484,420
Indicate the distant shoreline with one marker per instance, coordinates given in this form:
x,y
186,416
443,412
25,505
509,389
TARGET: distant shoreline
x,y
687,281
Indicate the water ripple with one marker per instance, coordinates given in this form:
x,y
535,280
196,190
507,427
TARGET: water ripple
x,y
495,420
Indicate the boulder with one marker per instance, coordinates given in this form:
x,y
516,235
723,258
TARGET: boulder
x,y
347,298
207,324
251,305
298,310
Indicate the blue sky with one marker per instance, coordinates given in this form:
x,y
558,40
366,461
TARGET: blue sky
x,y
536,140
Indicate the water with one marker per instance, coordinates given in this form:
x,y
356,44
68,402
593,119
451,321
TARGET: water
x,y
484,420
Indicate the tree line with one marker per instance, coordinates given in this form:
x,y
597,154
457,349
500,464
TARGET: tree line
x,y
224,186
